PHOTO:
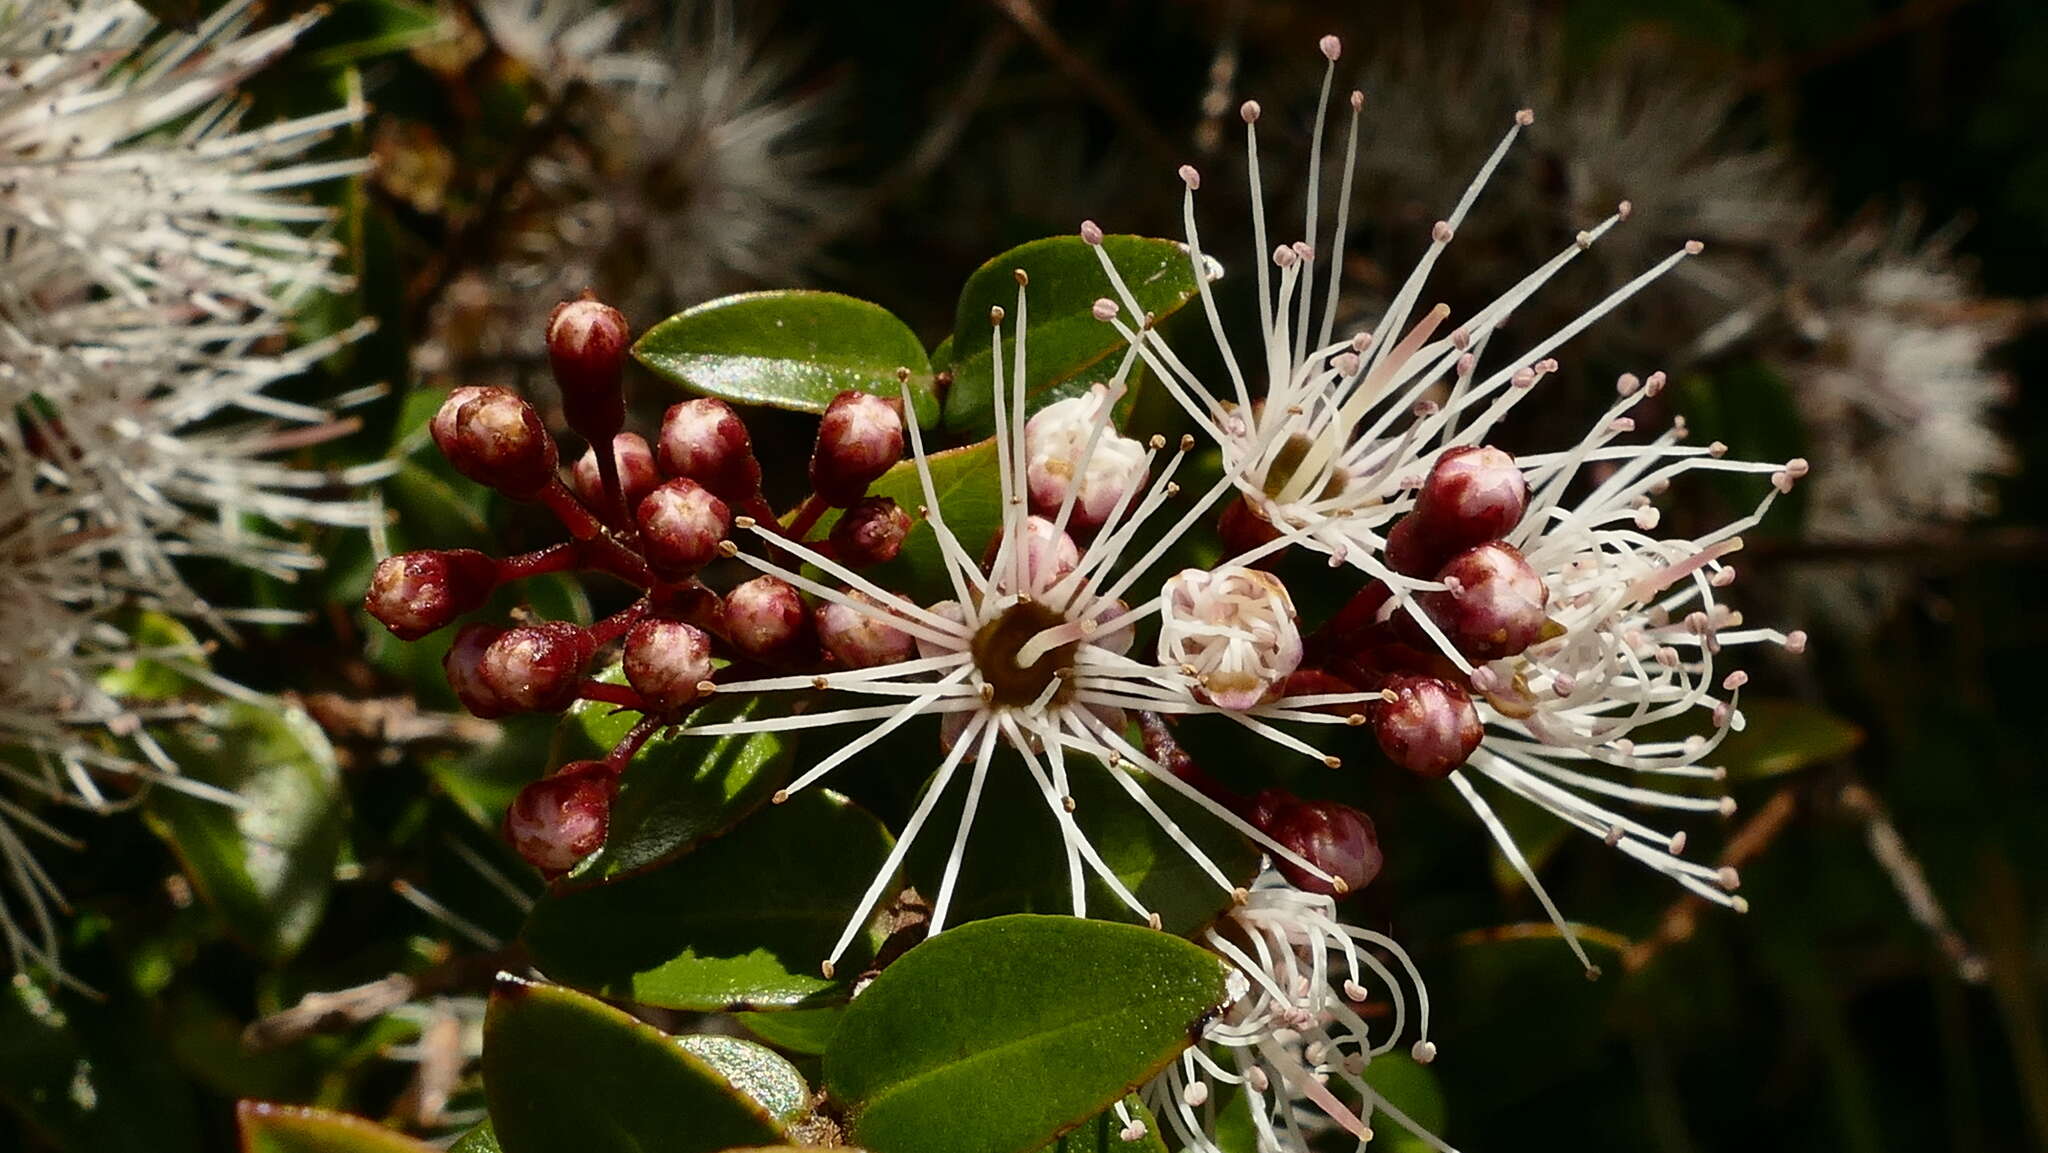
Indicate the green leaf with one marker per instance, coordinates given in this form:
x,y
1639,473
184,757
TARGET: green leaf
x,y
1103,1133
743,921
86,1076
566,1073
1783,736
1014,862
1066,347
789,349
996,1036
804,1031
1411,1088
265,866
680,789
154,678
756,1070
481,1139
970,500
268,1128
367,28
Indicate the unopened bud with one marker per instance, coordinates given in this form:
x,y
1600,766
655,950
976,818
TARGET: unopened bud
x,y
559,820
637,474
704,440
1056,439
862,639
1049,554
536,668
1411,551
587,343
766,619
1473,494
1430,727
416,593
666,662
1496,604
1337,839
495,438
860,437
681,524
1234,628
1243,529
870,533
464,665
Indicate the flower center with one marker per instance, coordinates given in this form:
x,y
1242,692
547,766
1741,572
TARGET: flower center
x,y
997,645
1287,461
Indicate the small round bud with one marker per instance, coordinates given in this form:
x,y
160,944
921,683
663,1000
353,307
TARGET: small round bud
x,y
1056,438
870,533
861,639
535,668
704,440
1429,728
1473,494
1411,549
1233,630
860,437
559,820
666,662
766,619
681,524
464,666
1337,839
497,439
416,593
1496,604
587,343
443,424
1243,529
1048,553
637,474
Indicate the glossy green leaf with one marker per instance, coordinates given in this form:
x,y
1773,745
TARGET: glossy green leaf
x,y
270,1128
1066,347
266,865
1784,736
566,1073
757,1071
998,1035
970,501
155,678
482,1139
804,1031
1411,1088
789,349
680,789
743,921
1015,864
1103,1133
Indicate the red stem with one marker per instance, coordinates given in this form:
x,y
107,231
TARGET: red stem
x,y
619,623
806,518
564,557
1162,747
630,744
608,475
570,511
604,692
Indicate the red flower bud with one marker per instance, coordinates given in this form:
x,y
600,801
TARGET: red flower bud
x,y
1429,728
1473,494
535,668
587,344
681,524
495,438
1495,606
870,533
861,640
1337,839
859,439
1243,530
559,820
666,662
637,475
705,441
416,593
464,665
766,619
1411,550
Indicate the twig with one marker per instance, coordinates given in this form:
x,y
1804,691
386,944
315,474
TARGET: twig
x,y
1682,917
1892,855
2004,543
1897,22
347,1008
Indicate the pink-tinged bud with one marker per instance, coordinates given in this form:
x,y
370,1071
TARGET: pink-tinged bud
x,y
559,820
1495,606
681,525
667,663
416,593
1231,630
1473,494
1056,438
1429,728
870,533
536,668
1337,839
637,474
767,620
1049,554
443,424
496,439
464,665
1411,550
860,437
587,344
704,440
861,639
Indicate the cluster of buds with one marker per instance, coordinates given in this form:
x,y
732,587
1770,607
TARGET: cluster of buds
x,y
654,516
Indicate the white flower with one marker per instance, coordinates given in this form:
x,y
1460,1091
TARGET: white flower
x,y
1031,655
1291,1027
1065,432
1232,630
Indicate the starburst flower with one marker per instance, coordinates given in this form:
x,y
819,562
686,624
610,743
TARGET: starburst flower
x,y
1291,1027
1033,651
